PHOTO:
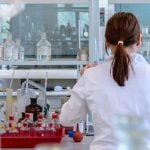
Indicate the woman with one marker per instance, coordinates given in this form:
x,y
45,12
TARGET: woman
x,y
120,85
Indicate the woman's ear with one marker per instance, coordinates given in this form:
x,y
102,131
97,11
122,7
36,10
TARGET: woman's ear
x,y
139,43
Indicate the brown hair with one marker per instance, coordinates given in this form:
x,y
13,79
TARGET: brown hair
x,y
122,30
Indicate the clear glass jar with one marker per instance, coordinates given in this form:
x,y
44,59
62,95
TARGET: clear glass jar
x,y
27,120
2,128
20,50
55,121
40,119
43,48
10,53
1,51
24,130
39,129
12,127
50,130
3,121
82,54
9,103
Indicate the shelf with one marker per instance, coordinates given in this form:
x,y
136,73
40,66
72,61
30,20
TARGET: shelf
x,y
40,73
48,2
127,1
44,63
51,93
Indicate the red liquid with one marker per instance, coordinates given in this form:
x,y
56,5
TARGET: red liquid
x,y
24,133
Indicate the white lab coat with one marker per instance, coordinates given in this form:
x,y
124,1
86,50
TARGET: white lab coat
x,y
98,92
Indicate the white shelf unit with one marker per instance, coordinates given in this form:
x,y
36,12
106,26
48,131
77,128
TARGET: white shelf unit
x,y
47,1
52,73
127,1
67,71
51,93
53,62
39,73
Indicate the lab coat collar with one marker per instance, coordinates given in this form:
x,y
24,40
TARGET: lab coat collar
x,y
135,58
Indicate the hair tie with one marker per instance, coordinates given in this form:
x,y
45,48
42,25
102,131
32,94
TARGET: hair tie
x,y
120,42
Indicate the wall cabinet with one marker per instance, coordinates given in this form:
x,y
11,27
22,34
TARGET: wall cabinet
x,y
67,24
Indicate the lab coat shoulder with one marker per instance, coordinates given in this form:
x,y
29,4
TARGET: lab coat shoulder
x,y
98,75
76,107
141,68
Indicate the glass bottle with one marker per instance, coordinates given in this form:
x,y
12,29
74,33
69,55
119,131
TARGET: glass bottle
x,y
68,30
9,49
20,50
40,119
27,120
55,121
39,129
40,125
82,126
43,48
24,130
1,51
9,103
2,128
3,122
50,129
33,108
84,54
86,31
12,127
30,124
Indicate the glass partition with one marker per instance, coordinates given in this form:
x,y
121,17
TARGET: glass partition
x,y
66,27
142,12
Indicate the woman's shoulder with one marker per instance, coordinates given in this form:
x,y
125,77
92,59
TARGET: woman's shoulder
x,y
102,65
138,58
98,70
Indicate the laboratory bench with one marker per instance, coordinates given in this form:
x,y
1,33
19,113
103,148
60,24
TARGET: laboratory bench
x,y
66,144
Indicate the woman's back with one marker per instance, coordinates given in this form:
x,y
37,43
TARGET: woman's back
x,y
106,99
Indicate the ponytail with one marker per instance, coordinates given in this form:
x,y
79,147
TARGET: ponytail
x,y
120,65
122,32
